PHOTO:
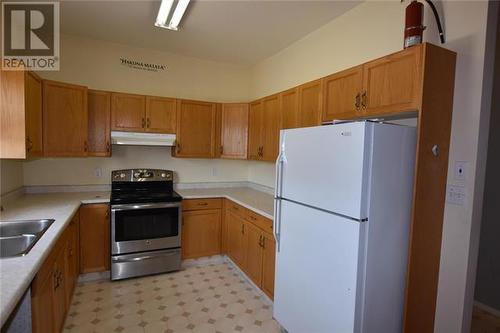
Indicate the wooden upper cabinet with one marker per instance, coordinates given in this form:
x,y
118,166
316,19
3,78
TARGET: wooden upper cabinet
x,y
65,119
128,112
161,114
271,127
99,106
392,84
33,98
342,94
196,129
234,131
255,131
20,114
310,103
290,109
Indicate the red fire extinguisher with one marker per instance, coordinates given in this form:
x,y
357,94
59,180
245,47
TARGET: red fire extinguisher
x,y
414,23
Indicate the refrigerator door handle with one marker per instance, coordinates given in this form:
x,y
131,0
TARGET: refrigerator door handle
x,y
280,161
277,222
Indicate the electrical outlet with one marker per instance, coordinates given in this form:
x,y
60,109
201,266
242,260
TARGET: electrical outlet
x,y
461,170
98,172
455,195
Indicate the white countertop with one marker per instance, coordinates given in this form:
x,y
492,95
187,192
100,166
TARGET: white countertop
x,y
17,273
260,202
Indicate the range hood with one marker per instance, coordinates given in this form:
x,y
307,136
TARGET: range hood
x,y
142,139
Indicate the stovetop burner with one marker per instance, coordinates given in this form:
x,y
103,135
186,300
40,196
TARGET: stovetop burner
x,y
142,186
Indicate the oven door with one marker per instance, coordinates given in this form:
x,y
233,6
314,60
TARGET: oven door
x,y
145,227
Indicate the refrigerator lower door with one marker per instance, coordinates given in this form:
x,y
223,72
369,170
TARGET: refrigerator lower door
x,y
319,271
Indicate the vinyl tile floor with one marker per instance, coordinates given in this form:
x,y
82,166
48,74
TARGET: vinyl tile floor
x,y
209,299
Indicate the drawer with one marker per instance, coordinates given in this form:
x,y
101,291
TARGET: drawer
x,y
236,209
199,204
260,221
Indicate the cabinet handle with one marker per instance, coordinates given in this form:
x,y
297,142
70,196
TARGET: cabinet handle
x,y
357,101
202,203
221,150
363,100
29,144
85,146
263,242
106,216
148,123
56,280
253,218
243,229
143,122
108,147
178,147
260,240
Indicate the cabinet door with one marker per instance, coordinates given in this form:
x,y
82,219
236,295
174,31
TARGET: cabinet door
x,y
310,103
342,94
271,125
94,238
236,239
65,119
195,129
268,260
99,105
42,305
160,114
33,100
392,84
201,231
58,280
289,109
12,115
253,241
71,265
255,121
234,131
128,112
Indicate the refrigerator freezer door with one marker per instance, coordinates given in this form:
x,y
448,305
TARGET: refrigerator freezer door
x,y
326,166
318,271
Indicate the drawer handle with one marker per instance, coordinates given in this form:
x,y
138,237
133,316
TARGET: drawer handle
x,y
236,208
202,203
253,218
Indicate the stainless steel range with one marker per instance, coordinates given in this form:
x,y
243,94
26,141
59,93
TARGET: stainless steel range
x,y
145,223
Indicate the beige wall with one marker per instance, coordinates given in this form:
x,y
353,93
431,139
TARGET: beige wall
x,y
81,171
11,175
96,64
374,29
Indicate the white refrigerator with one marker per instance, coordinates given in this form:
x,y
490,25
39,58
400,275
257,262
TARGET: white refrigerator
x,y
342,217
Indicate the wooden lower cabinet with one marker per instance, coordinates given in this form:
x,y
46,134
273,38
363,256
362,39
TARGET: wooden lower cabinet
x,y
253,242
94,238
268,263
53,286
201,231
236,239
251,245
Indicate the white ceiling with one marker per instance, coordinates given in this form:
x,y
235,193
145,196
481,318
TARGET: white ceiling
x,y
239,32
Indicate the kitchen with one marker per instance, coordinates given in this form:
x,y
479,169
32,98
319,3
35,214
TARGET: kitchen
x,y
212,104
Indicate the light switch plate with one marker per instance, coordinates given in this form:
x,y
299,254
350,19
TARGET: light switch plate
x,y
455,195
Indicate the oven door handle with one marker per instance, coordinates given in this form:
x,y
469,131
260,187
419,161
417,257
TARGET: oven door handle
x,y
135,259
115,208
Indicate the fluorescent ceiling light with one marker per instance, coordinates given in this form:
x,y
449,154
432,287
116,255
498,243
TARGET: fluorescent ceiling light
x,y
164,12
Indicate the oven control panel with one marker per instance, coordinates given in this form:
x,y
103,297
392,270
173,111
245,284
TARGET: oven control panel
x,y
141,175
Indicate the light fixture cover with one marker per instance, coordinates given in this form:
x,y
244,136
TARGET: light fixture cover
x,y
175,19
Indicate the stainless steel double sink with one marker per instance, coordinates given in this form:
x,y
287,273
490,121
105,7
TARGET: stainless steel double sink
x,y
18,237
